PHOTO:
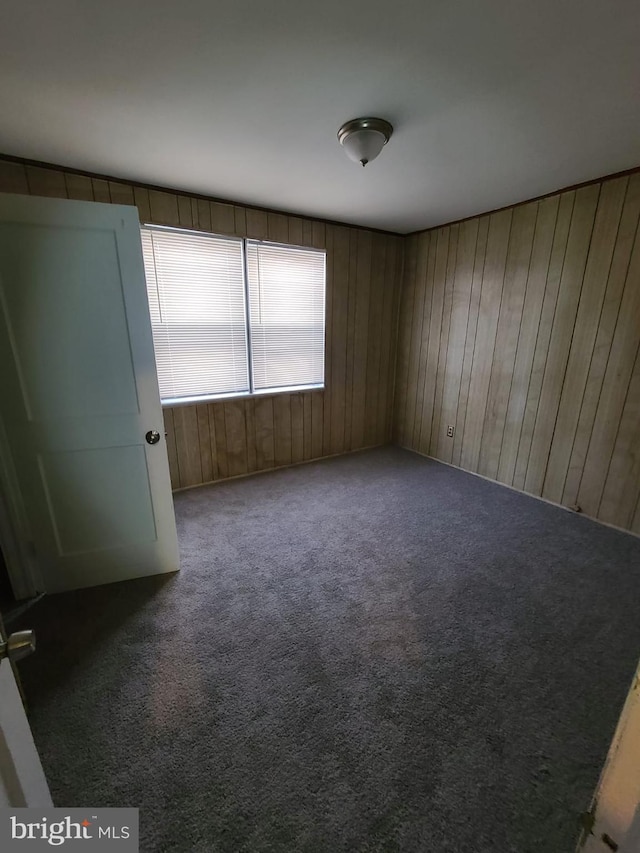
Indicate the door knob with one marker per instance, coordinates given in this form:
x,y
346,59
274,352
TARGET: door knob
x,y
18,645
153,436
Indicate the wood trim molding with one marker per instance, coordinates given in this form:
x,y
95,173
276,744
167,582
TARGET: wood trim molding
x,y
624,173
10,158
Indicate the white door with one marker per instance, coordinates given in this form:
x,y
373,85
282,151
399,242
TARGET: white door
x,y
615,815
22,781
79,392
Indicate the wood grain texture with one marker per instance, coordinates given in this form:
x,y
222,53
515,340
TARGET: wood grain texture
x,y
374,336
235,428
604,337
338,352
204,439
101,191
172,451
227,438
297,428
458,318
221,442
507,337
545,324
470,335
47,182
13,178
488,315
403,356
362,344
327,239
437,424
394,269
432,326
80,187
524,335
545,225
539,472
185,422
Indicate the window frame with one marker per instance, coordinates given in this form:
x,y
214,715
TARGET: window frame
x,y
252,392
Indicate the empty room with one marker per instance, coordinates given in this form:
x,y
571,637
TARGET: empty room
x,y
320,426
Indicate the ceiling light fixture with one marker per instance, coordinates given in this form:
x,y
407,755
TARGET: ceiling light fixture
x,y
364,138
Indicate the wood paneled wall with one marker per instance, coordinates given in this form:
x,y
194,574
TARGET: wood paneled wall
x,y
521,329
224,439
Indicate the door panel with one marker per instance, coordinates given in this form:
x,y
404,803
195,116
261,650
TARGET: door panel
x,y
68,301
124,497
81,391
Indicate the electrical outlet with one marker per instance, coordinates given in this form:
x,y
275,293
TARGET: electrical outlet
x,y
449,431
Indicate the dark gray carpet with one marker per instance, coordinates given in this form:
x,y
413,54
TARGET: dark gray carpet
x,y
371,653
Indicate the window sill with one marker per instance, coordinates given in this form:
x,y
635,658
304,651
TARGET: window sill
x,y
243,395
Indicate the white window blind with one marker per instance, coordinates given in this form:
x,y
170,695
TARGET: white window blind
x,y
287,313
196,290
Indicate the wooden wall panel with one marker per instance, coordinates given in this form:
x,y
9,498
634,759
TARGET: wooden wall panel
x,y
539,473
422,315
235,430
185,425
13,178
227,438
436,251
458,319
361,343
338,353
447,306
523,333
604,338
487,327
79,187
264,433
535,283
604,235
545,323
172,450
204,440
404,342
507,337
394,266
46,182
470,334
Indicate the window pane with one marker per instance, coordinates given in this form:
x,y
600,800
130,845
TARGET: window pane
x,y
197,304
286,297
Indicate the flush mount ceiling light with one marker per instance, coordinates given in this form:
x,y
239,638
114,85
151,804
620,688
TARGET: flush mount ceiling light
x,y
364,138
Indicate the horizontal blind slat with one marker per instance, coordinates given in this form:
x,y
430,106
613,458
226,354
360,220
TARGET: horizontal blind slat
x,y
197,306
196,302
287,311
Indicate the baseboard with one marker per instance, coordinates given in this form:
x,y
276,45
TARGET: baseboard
x,y
522,492
280,467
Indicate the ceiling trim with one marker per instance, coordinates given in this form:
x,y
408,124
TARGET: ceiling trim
x,y
10,158
165,189
571,187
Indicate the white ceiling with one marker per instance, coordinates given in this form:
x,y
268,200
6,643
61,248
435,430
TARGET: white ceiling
x,y
492,102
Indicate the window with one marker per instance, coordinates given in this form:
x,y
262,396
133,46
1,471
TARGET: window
x,y
232,316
